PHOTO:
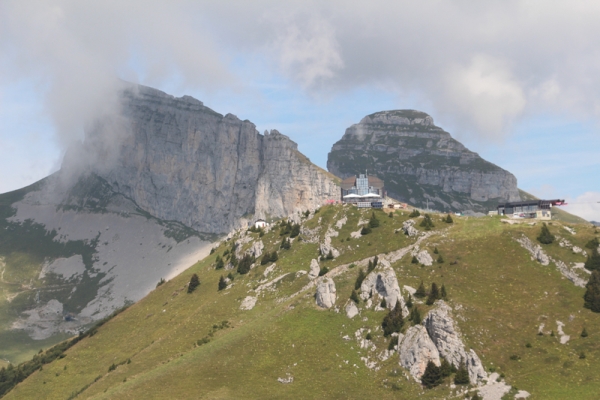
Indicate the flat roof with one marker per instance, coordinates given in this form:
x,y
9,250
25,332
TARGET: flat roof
x,y
531,203
374,181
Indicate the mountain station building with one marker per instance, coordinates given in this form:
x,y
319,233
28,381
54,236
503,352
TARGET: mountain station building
x,y
539,209
364,191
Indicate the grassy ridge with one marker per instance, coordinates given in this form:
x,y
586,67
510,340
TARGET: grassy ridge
x,y
500,296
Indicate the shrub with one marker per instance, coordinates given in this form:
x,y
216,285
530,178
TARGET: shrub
x,y
222,283
220,264
369,337
432,376
162,280
359,279
592,292
515,357
409,302
393,321
545,236
194,283
427,223
329,255
354,297
274,256
414,260
295,230
266,258
443,294
383,303
415,316
420,291
592,244
449,219
245,264
440,259
462,375
285,244
435,250
230,276
582,355
323,271
584,333
414,213
446,369
365,230
391,215
528,345
373,221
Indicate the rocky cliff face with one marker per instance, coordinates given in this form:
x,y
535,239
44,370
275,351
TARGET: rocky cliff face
x,y
419,161
179,160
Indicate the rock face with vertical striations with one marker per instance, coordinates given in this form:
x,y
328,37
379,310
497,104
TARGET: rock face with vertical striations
x,y
179,160
420,162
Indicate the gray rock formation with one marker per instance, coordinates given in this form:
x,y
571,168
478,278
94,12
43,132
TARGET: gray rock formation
x,y
408,227
326,294
423,257
351,309
181,161
416,350
446,337
325,247
314,269
535,250
419,161
385,284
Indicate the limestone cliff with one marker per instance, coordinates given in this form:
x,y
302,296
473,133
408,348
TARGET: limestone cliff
x,y
179,160
419,161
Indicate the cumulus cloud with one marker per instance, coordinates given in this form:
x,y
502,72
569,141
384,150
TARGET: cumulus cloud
x,y
586,206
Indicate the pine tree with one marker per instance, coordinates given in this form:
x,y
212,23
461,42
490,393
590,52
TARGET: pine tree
x,y
427,223
432,376
415,316
354,297
295,230
592,293
584,333
443,294
593,261
373,221
434,294
391,214
359,279
445,367
266,258
593,244
414,260
393,321
220,264
420,291
545,236
285,244
449,219
222,283
323,271
329,256
440,259
462,375
414,213
435,250
375,261
230,276
476,396
274,256
365,230
393,343
194,283
409,302
245,264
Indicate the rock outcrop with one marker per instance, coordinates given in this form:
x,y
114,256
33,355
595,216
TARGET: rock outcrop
x,y
385,284
420,163
535,250
423,257
408,227
446,337
326,294
314,269
351,309
416,350
326,247
181,161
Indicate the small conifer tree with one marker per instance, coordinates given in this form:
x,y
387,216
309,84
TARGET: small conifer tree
x,y
420,291
329,255
194,283
393,343
274,256
391,214
266,258
373,221
230,276
359,279
449,219
434,295
414,260
443,293
409,302
383,303
285,244
365,230
445,367
593,261
295,231
414,213
545,236
354,297
323,271
435,250
220,263
427,223
440,259
584,333
432,376
222,283
393,321
245,264
415,316
592,293
462,375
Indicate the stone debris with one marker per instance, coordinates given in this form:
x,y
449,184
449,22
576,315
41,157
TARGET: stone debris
x,y
270,285
577,250
409,228
351,309
541,328
441,329
370,364
248,303
570,230
423,257
269,269
385,284
568,273
326,293
289,379
356,235
522,394
409,289
493,390
300,273
310,235
581,266
535,250
314,269
385,354
45,321
341,222
416,350
563,338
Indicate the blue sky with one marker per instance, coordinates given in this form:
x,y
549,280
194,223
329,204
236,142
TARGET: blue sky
x,y
504,78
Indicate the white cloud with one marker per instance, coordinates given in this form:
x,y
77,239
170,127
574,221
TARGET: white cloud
x,y
587,206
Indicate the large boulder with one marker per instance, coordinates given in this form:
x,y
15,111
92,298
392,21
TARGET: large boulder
x,y
424,258
385,284
535,250
351,309
445,335
416,350
409,228
326,293
325,247
314,269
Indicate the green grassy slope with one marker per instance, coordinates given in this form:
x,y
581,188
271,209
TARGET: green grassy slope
x,y
500,296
